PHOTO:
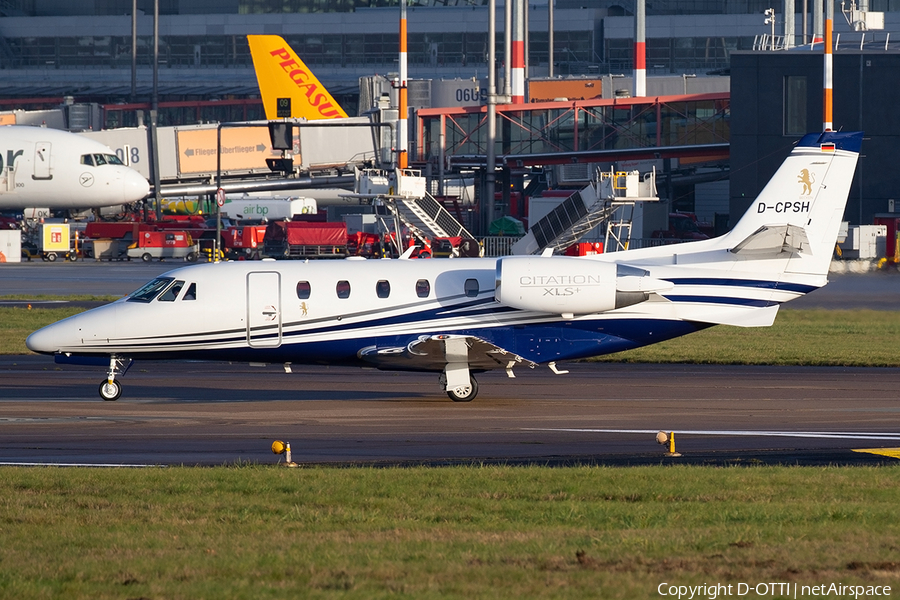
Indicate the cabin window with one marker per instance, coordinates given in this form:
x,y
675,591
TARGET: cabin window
x,y
343,289
423,288
150,290
471,288
383,288
191,293
303,290
87,159
172,293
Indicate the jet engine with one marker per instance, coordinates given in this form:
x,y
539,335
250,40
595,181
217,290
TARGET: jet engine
x,y
569,286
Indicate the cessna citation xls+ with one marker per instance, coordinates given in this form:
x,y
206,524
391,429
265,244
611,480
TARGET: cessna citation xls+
x,y
461,316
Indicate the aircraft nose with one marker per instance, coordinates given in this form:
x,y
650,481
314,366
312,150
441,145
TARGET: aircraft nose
x,y
49,339
74,333
134,186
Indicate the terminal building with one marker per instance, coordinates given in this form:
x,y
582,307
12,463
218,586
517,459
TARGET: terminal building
x,y
55,51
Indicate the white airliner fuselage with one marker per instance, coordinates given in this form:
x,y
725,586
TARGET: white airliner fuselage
x,y
49,168
462,316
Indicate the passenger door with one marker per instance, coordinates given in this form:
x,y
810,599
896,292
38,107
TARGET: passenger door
x,y
264,309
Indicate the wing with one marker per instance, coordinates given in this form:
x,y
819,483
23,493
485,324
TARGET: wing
x,y
436,352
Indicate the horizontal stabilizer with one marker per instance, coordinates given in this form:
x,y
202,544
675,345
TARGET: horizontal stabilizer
x,y
774,240
730,315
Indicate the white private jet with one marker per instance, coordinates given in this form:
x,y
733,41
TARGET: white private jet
x,y
462,316
50,168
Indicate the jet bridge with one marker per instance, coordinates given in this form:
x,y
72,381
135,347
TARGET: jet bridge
x,y
609,199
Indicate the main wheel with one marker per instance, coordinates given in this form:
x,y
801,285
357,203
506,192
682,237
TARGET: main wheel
x,y
464,393
110,391
146,257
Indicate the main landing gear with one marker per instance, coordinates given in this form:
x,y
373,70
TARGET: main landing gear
x,y
110,389
464,393
456,379
460,392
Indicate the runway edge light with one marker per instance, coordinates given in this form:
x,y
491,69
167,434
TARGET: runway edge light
x,y
662,438
279,447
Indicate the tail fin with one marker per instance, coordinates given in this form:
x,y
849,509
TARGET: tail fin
x,y
800,209
281,74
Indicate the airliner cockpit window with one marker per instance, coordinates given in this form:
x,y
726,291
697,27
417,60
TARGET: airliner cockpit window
x,y
112,159
87,159
100,159
151,290
172,293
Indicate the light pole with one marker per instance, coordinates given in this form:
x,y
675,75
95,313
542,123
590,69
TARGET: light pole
x,y
770,20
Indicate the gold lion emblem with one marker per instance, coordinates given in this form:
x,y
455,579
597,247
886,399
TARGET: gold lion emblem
x,y
807,179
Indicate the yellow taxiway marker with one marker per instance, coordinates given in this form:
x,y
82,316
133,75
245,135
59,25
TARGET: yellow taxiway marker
x,y
891,452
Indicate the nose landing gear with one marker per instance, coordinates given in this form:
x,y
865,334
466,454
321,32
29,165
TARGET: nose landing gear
x,y
110,389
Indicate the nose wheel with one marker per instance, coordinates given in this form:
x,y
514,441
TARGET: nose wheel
x,y
110,390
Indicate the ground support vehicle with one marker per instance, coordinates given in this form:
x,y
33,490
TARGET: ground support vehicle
x,y
162,245
298,239
243,242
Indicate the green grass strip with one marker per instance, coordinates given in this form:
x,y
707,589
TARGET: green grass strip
x,y
862,338
462,532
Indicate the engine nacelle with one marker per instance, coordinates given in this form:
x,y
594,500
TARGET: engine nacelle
x,y
570,286
556,284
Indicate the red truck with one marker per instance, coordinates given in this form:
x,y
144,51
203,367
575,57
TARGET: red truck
x,y
298,239
243,242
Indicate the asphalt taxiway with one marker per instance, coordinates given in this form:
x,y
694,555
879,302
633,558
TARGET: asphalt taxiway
x,y
200,413
212,413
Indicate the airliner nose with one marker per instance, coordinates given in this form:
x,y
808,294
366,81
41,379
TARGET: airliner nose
x,y
134,186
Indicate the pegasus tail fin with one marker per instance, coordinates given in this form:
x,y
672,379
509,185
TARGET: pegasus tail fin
x,y
281,74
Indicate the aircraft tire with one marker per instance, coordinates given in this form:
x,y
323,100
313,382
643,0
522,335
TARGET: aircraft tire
x,y
110,391
146,257
465,393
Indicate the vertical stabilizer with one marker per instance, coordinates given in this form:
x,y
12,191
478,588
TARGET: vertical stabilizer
x,y
281,74
805,199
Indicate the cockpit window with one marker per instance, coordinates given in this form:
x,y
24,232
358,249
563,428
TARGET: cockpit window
x,y
151,290
100,159
172,293
191,293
